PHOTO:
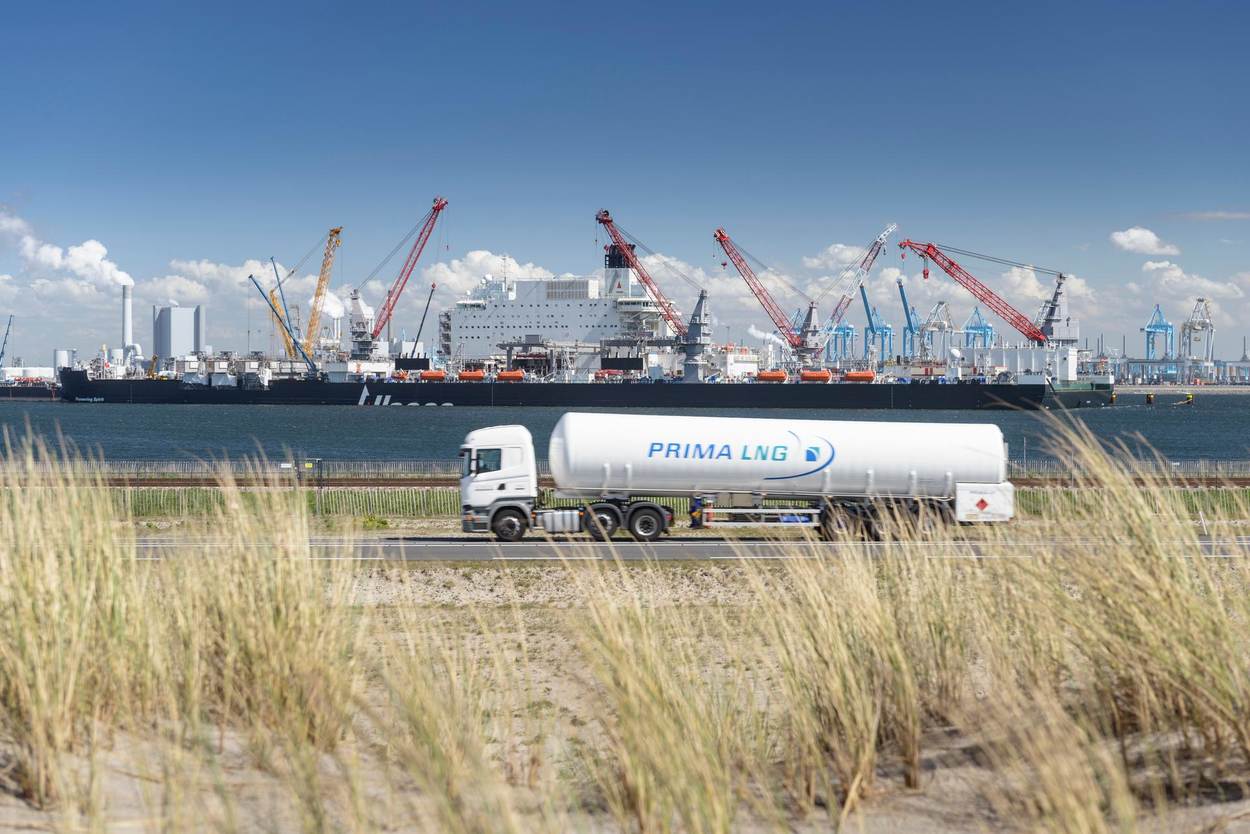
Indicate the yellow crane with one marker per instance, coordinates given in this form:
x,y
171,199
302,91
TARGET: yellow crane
x,y
286,337
323,281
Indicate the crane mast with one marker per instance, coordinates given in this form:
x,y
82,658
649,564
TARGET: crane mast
x,y
667,310
802,339
414,254
991,299
287,343
780,320
323,281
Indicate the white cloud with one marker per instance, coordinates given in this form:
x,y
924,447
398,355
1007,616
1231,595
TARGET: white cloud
x,y
1170,280
459,275
11,224
1143,242
834,256
87,261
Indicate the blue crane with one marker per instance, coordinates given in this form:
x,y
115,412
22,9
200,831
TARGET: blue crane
x,y
1159,326
977,331
876,331
910,327
286,326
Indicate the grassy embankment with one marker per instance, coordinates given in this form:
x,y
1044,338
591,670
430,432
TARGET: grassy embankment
x,y
1081,689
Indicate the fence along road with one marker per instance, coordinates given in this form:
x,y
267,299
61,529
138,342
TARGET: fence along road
x,y
538,550
443,472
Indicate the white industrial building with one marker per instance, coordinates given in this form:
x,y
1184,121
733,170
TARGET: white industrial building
x,y
178,331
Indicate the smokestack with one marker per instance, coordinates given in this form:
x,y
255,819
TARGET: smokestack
x,y
128,330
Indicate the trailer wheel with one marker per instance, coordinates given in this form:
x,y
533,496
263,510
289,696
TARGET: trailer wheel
x,y
508,525
602,522
646,525
840,524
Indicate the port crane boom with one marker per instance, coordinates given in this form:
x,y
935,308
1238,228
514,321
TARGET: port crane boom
x,y
780,320
414,254
991,299
5,344
667,310
323,281
286,327
845,284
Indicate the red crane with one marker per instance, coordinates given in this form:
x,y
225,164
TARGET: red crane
x,y
414,254
780,320
667,310
991,299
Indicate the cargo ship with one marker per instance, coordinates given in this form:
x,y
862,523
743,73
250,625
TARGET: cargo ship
x,y
585,342
77,386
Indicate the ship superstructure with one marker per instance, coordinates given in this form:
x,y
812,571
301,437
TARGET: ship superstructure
x,y
579,312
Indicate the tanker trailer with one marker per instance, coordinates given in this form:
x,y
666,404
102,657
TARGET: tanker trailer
x,y
832,475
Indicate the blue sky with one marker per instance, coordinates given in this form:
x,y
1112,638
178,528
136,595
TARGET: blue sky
x,y
190,141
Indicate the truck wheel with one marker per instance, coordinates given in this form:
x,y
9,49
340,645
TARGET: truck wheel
x,y
646,525
508,526
602,522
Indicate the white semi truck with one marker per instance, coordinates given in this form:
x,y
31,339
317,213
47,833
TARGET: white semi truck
x,y
830,475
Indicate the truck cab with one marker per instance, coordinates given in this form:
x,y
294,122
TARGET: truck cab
x,y
498,480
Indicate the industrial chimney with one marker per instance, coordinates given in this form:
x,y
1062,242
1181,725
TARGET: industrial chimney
x,y
128,330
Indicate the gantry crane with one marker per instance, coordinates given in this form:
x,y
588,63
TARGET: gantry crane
x,y
426,227
323,281
991,299
804,340
910,324
1156,327
876,330
667,310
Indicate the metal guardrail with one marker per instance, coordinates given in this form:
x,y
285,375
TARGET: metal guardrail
x,y
450,469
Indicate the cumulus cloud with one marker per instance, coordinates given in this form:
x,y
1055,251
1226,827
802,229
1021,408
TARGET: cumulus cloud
x,y
1143,242
1169,279
87,261
459,275
834,256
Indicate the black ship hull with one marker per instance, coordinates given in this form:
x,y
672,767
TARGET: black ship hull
x,y
28,392
76,386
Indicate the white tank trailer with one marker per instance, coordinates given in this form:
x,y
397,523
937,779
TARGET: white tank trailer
x,y
841,477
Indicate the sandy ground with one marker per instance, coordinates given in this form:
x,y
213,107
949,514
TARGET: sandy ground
x,y
505,602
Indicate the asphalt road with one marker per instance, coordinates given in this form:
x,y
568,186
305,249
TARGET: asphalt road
x,y
422,549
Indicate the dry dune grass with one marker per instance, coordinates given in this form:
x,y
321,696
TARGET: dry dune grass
x,y
1050,686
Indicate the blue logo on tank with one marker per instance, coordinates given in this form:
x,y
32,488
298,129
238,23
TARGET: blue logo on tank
x,y
820,454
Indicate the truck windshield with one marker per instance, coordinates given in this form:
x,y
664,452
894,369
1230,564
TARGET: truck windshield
x,y
489,460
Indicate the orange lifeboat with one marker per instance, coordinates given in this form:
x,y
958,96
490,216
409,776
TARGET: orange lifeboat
x,y
815,376
433,376
510,376
771,376
472,376
859,376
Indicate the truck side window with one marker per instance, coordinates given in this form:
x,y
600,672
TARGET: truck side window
x,y
489,460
